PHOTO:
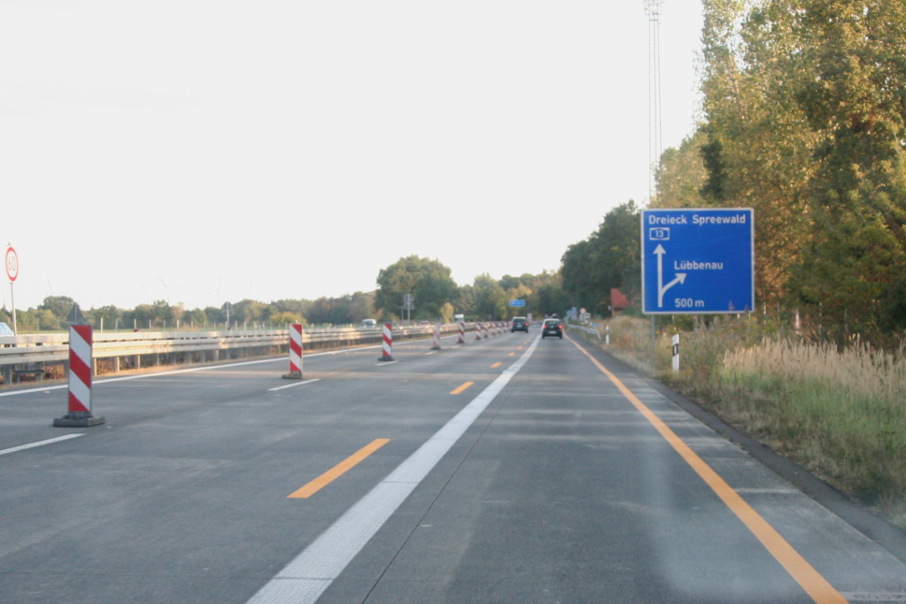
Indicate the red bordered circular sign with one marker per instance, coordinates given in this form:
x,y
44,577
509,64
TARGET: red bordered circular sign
x,y
12,264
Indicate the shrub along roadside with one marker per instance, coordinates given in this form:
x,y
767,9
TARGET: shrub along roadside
x,y
839,413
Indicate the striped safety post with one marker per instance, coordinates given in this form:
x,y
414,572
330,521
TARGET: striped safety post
x,y
295,352
477,331
80,368
462,333
387,343
436,345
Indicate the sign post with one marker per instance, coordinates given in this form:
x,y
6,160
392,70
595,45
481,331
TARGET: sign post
x,y
698,261
12,271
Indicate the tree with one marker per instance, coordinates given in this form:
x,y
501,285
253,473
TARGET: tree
x,y
681,174
490,301
608,259
758,148
805,114
428,281
856,265
109,314
60,306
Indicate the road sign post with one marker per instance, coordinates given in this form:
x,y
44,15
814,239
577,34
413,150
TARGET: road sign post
x,y
698,261
12,271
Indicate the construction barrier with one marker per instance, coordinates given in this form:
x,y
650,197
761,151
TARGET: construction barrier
x,y
80,370
295,352
462,333
387,343
436,345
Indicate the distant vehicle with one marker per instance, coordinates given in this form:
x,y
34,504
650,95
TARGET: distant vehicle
x,y
368,323
424,323
459,318
5,330
552,327
519,324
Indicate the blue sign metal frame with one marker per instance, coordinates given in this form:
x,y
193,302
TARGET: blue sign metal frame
x,y
698,261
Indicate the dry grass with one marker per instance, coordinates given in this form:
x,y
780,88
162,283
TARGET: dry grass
x,y
840,413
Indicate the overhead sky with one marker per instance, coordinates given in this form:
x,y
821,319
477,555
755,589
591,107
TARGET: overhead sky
x,y
205,151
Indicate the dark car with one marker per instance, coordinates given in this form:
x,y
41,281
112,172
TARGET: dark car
x,y
552,327
519,324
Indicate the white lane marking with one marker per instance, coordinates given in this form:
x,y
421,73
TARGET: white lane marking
x,y
306,577
293,385
39,443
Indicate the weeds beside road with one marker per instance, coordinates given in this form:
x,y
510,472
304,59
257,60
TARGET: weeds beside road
x,y
841,414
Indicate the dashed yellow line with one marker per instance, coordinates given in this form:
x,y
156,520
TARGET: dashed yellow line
x,y
496,365
462,388
338,470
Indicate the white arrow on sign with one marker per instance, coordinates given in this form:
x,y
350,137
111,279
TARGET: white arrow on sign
x,y
661,288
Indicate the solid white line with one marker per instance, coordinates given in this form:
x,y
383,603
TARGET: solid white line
x,y
39,444
305,578
294,384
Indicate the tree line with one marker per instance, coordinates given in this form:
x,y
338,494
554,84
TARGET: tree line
x,y
434,294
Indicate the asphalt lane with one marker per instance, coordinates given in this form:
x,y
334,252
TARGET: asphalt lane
x,y
559,490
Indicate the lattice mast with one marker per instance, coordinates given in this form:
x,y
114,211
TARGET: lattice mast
x,y
653,10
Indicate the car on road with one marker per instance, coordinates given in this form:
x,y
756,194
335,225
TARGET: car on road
x,y
552,327
519,324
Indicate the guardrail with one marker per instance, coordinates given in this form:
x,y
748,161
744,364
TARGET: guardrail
x,y
47,354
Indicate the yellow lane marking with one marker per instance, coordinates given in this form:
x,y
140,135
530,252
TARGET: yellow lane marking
x,y
512,354
496,365
338,470
462,388
820,590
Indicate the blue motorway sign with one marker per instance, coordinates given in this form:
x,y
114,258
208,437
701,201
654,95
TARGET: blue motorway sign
x,y
698,261
517,302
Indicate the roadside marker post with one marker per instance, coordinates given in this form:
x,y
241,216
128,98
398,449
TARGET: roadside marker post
x,y
295,352
462,333
675,352
80,370
387,343
477,332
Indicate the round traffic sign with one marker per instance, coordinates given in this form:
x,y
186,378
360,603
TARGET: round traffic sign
x,y
12,264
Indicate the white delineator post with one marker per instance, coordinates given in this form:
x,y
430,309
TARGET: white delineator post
x,y
387,343
675,351
80,370
295,352
462,333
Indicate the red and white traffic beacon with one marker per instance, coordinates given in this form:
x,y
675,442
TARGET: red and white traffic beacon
x,y
295,352
80,370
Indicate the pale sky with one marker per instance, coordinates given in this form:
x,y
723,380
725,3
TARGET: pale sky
x,y
205,151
